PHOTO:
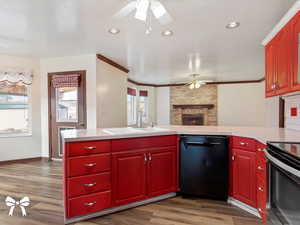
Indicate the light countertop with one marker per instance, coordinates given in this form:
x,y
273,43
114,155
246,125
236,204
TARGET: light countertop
x,y
261,134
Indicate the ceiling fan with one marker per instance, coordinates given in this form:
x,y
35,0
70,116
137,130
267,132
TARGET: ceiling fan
x,y
145,10
196,82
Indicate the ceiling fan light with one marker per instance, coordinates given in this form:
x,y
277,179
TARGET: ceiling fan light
x,y
198,84
192,86
142,9
158,9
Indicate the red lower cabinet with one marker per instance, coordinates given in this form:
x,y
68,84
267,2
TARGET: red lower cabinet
x,y
89,203
161,171
244,176
129,176
262,182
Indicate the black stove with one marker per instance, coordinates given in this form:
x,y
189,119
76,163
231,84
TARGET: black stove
x,y
284,183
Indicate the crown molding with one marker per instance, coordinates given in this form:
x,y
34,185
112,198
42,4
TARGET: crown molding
x,y
284,20
112,63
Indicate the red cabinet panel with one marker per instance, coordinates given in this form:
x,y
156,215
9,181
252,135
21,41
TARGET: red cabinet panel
x,y
270,70
88,147
161,171
283,61
88,184
129,176
244,176
145,142
89,203
295,31
85,165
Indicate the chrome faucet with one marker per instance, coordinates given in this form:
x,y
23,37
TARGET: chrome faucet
x,y
140,119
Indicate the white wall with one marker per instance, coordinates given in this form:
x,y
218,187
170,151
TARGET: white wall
x,y
152,99
24,147
241,104
163,105
272,112
60,64
111,96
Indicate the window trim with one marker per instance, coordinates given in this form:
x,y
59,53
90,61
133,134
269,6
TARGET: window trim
x,y
132,93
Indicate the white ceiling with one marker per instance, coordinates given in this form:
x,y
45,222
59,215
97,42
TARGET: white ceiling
x,y
47,28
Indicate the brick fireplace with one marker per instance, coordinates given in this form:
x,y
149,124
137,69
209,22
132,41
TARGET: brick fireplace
x,y
193,107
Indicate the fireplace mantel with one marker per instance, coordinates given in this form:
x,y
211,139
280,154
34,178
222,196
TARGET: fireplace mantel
x,y
195,106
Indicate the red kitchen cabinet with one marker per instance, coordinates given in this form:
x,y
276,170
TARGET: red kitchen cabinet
x,y
284,60
161,171
295,32
129,176
270,67
262,184
244,176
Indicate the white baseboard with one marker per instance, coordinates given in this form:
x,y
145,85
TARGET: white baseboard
x,y
243,206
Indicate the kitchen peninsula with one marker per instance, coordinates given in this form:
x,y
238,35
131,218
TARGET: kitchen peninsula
x,y
108,170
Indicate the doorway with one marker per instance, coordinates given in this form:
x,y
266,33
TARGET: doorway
x,y
67,106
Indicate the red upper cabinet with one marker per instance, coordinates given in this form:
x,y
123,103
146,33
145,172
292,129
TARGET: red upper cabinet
x,y
295,31
278,63
270,70
161,171
129,176
283,59
244,176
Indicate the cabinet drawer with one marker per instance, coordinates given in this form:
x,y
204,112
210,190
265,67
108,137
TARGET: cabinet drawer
x,y
85,165
88,184
243,143
145,142
87,148
89,203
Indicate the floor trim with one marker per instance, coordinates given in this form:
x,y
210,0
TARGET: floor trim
x,y
243,206
26,160
120,208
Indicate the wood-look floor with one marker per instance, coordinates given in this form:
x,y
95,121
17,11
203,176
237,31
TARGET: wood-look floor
x,y
42,182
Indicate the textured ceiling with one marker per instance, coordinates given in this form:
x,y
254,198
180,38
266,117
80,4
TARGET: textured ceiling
x,y
47,28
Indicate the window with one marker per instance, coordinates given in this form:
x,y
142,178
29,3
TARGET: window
x,y
144,105
67,104
14,108
131,106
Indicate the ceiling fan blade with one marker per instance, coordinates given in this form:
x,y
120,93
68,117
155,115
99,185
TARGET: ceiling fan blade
x,y
160,12
142,9
125,11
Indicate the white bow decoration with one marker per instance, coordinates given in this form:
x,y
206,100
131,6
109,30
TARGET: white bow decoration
x,y
12,203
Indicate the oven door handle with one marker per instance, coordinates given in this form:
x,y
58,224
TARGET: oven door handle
x,y
282,165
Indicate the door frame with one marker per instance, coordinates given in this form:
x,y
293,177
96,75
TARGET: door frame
x,y
83,82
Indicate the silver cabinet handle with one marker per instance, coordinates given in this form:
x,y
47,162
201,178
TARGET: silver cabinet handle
x,y
260,188
90,185
260,150
150,157
90,203
89,147
145,158
233,158
243,143
259,209
260,168
90,164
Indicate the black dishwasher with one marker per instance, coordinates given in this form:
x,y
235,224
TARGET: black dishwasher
x,y
204,166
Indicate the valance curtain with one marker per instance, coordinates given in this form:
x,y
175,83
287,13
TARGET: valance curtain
x,y
144,93
59,81
16,76
131,91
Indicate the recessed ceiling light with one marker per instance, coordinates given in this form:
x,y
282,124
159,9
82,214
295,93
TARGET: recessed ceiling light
x,y
167,33
114,31
232,25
